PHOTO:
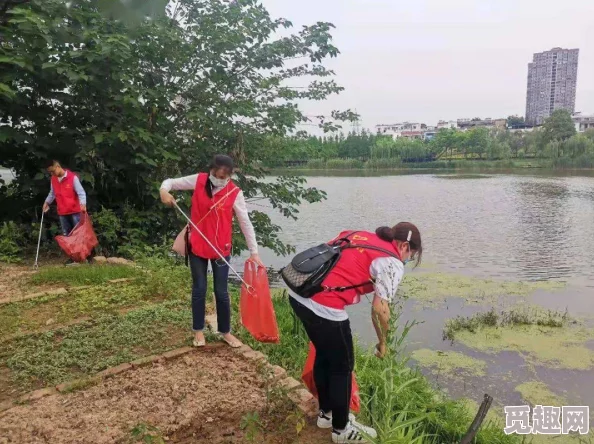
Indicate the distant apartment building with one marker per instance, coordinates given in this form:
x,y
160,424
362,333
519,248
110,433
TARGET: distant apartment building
x,y
583,122
552,81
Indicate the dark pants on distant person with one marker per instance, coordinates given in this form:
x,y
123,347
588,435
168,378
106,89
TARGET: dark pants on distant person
x,y
68,223
334,362
220,272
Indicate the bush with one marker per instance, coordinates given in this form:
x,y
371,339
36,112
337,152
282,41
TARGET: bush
x,y
383,164
12,240
583,161
344,164
108,228
316,164
132,233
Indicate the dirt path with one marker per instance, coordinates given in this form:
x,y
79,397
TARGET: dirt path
x,y
12,278
200,397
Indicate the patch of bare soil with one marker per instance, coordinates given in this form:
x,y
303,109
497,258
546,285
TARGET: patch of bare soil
x,y
12,278
8,389
14,282
207,391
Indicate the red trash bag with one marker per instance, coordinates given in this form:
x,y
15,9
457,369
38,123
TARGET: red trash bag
x,y
255,305
308,379
81,240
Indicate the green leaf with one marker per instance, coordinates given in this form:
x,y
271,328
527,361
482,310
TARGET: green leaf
x,y
122,136
7,90
98,138
13,61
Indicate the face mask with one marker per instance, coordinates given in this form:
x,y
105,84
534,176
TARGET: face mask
x,y
218,183
406,261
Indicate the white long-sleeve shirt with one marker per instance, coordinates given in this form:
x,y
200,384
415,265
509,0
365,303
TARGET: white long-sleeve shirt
x,y
188,183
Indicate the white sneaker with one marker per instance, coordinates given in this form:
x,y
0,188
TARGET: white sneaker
x,y
324,420
354,433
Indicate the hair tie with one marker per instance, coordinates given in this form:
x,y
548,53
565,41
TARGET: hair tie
x,y
409,236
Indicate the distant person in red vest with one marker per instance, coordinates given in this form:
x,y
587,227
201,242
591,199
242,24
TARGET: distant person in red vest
x,y
69,195
215,200
359,271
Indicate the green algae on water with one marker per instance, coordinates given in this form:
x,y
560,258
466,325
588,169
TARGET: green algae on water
x,y
450,362
560,348
432,289
538,393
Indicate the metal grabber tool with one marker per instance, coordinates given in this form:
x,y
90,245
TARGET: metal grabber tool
x,y
36,265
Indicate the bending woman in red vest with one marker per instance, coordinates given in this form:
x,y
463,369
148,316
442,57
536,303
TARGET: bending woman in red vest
x,y
327,324
215,200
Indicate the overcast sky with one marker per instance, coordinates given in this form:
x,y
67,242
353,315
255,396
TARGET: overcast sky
x,y
426,60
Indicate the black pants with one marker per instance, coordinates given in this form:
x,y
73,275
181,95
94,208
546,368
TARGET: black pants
x,y
220,273
334,362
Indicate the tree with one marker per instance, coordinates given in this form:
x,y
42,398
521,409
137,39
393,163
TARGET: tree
x,y
128,105
559,126
130,11
447,139
477,141
515,121
578,145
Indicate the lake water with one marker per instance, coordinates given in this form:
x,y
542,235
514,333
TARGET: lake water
x,y
508,227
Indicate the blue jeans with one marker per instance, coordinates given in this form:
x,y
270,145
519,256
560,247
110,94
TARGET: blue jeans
x,y
220,272
68,222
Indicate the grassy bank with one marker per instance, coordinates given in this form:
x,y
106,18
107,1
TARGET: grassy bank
x,y
114,323
397,400
452,164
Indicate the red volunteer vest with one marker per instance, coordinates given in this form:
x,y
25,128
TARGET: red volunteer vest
x,y
352,269
214,218
66,197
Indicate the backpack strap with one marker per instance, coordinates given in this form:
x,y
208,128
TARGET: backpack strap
x,y
344,240
368,247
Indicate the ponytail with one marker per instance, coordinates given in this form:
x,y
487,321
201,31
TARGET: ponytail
x,y
403,232
385,234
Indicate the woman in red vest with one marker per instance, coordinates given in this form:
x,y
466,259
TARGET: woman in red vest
x,y
68,193
214,201
359,271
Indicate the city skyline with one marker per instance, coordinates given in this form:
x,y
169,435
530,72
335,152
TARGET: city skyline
x,y
432,60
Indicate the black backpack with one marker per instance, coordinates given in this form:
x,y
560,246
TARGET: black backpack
x,y
306,272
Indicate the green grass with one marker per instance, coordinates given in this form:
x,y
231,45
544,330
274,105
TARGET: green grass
x,y
83,274
492,318
85,349
396,399
163,281
92,302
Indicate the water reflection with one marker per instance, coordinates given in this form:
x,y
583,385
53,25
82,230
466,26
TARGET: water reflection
x,y
542,248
